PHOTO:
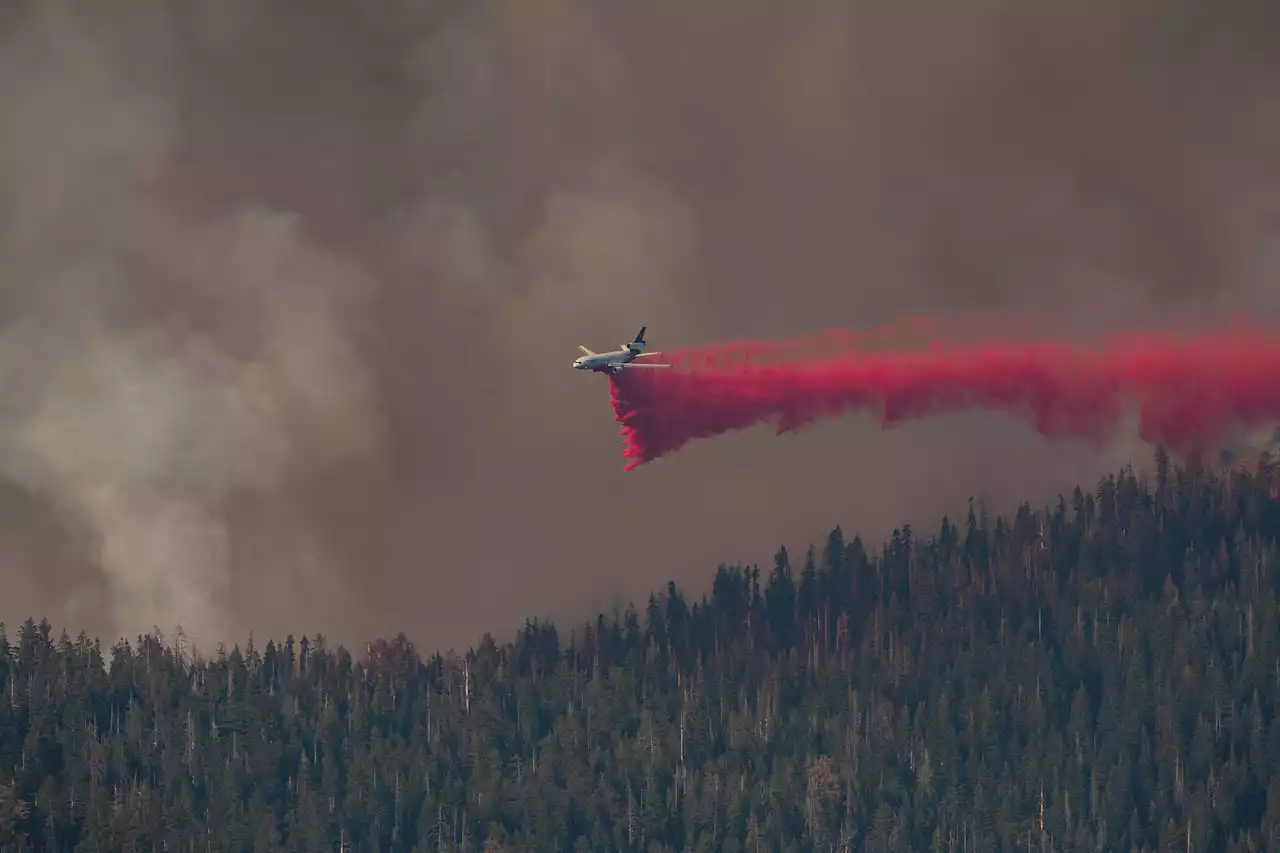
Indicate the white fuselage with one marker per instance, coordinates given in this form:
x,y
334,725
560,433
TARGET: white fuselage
x,y
604,360
612,363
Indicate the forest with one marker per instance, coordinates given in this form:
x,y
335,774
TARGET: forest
x,y
1098,674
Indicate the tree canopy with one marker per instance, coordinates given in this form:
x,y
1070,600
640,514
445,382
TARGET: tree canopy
x,y
1098,674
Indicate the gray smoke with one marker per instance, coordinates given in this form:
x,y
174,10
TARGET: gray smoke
x,y
159,366
288,291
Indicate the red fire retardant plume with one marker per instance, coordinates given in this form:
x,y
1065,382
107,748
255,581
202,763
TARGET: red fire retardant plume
x,y
1186,391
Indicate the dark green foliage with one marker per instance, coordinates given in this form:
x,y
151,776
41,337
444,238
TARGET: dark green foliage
x,y
1102,674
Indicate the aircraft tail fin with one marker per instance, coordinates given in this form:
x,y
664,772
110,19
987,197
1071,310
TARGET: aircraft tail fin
x,y
637,345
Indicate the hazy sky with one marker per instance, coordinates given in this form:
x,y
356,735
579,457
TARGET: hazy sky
x,y
289,290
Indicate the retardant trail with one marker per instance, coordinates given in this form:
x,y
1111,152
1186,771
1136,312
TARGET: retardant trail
x,y
1187,392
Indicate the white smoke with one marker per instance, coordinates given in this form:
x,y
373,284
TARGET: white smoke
x,y
156,367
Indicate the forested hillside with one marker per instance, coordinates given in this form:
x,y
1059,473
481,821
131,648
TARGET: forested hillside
x,y
1101,674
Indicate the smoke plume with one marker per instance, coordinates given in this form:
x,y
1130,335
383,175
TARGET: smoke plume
x,y
289,288
161,368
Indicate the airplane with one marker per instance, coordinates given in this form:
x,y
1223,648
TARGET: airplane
x,y
612,362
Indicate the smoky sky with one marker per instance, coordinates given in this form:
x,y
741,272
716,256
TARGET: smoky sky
x,y
289,290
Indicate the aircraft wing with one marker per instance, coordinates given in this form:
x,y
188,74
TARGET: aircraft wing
x,y
648,354
584,349
632,365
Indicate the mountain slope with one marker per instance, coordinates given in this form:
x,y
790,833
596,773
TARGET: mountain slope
x,y
1102,673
